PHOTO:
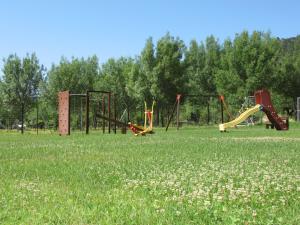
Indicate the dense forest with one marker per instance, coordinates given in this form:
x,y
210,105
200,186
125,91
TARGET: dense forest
x,y
234,68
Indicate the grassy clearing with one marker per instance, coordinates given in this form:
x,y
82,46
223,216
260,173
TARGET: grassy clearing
x,y
194,176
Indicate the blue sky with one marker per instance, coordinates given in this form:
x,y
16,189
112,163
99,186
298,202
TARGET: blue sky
x,y
55,28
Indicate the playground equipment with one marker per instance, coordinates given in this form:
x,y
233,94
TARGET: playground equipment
x,y
104,114
148,117
179,98
263,103
222,99
64,111
248,103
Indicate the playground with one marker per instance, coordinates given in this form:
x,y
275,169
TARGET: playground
x,y
197,175
92,171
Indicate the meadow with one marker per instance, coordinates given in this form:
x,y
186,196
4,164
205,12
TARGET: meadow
x,y
197,175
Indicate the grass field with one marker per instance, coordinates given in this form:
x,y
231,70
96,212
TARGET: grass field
x,y
194,176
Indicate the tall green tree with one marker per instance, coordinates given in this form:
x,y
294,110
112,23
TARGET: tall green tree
x,y
287,80
254,59
147,79
77,76
195,58
168,79
248,63
115,75
212,64
227,80
21,82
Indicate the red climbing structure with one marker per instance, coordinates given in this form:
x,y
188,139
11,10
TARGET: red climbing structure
x,y
263,98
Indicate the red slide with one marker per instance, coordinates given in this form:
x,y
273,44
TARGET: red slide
x,y
263,98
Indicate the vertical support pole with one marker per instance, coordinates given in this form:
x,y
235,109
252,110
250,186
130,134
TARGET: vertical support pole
x,y
178,112
87,115
22,117
208,113
222,109
142,114
80,114
178,96
37,116
115,114
109,116
128,115
145,115
103,113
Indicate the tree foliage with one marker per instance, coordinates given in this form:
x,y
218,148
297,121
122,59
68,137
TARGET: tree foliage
x,y
235,68
21,82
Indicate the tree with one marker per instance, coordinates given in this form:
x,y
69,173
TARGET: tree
x,y
287,80
228,82
168,79
115,75
146,80
168,73
21,82
77,76
195,59
212,64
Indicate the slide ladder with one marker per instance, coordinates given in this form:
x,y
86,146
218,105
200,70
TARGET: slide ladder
x,y
263,98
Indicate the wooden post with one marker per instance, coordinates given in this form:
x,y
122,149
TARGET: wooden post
x,y
178,112
172,113
87,115
80,114
128,115
115,113
222,109
37,116
22,118
208,112
103,113
109,116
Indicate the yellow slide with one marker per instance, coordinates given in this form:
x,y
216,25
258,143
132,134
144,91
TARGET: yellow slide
x,y
240,118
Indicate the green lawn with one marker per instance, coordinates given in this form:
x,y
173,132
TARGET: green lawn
x,y
196,175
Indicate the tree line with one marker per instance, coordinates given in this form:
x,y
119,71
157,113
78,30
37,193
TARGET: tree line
x,y
234,68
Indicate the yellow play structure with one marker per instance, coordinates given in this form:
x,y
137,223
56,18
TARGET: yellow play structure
x,y
143,130
240,118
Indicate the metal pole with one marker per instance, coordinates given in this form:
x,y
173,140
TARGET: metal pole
x,y
103,112
178,111
171,116
128,114
172,113
37,116
208,112
109,122
115,114
80,114
87,115
22,118
222,110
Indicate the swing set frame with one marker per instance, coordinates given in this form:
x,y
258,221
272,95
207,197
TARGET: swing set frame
x,y
179,97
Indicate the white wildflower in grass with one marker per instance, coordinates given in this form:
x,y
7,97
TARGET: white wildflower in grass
x,y
195,176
